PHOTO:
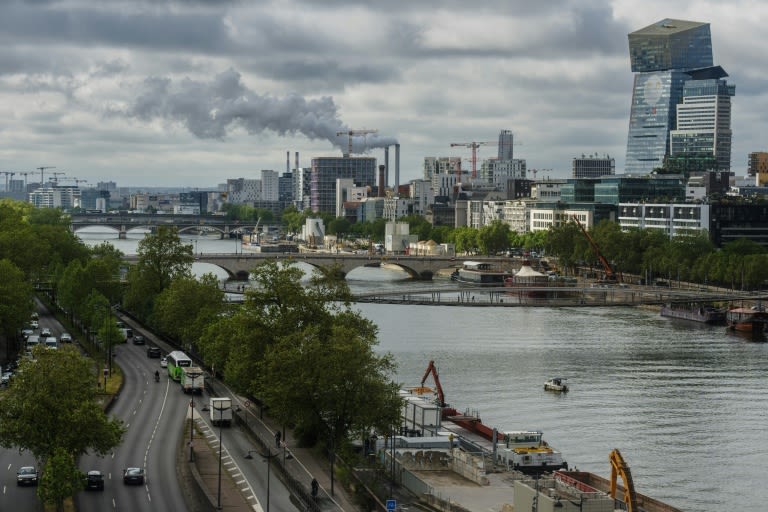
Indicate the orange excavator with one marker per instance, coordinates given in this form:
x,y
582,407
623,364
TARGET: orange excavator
x,y
621,468
610,275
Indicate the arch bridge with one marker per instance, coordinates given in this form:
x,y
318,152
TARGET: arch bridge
x,y
124,222
238,266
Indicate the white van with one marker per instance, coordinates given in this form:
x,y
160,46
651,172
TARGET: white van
x,y
51,343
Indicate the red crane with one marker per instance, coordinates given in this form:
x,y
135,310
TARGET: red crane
x,y
473,146
610,275
432,369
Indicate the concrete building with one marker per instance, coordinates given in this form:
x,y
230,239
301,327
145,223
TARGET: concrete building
x,y
758,166
54,196
672,218
422,195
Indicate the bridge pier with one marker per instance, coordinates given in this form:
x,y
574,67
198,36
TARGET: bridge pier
x,y
123,234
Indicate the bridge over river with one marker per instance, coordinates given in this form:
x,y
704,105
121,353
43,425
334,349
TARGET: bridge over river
x,y
238,266
557,296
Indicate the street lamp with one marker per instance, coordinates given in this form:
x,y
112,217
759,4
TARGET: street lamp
x,y
220,406
193,376
268,458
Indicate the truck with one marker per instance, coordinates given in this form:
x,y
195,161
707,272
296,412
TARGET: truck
x,y
192,379
221,411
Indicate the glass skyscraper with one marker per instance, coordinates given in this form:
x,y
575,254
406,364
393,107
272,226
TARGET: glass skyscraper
x,y
325,172
662,56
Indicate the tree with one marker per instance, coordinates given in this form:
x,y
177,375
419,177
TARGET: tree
x,y
162,257
283,343
493,237
60,480
16,303
50,409
184,308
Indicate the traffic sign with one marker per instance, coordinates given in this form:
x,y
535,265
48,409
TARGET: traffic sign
x,y
391,505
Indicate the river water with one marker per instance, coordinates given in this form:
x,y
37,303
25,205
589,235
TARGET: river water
x,y
685,404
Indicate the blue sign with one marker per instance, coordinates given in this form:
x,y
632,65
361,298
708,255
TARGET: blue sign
x,y
391,504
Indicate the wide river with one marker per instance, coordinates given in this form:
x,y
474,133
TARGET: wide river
x,y
687,405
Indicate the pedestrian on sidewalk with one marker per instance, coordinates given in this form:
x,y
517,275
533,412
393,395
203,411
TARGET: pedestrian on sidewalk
x,y
277,439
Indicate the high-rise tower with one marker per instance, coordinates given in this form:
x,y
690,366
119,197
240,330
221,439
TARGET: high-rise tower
x,y
663,57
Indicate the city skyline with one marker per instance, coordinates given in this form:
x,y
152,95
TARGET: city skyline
x,y
192,93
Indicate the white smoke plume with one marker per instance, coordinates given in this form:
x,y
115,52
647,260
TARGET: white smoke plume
x,y
210,109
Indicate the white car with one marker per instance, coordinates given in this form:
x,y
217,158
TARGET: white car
x,y
164,362
65,337
45,332
34,324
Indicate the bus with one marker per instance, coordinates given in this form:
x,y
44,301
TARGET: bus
x,y
176,361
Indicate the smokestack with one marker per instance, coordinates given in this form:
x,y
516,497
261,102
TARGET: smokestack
x,y
382,171
287,161
386,165
297,161
397,169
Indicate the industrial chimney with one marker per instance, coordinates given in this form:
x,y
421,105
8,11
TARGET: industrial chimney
x,y
386,165
382,172
287,161
397,170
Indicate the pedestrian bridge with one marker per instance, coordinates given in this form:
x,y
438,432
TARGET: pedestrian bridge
x,y
238,266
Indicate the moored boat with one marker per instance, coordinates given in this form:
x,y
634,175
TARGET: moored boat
x,y
695,312
480,274
753,319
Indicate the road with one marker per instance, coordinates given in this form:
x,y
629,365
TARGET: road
x,y
155,415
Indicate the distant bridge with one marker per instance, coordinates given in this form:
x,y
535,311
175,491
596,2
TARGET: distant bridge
x,y
238,266
124,222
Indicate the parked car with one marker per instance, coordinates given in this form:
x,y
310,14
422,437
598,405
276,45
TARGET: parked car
x,y
133,476
45,332
94,480
138,339
26,475
27,332
153,352
65,337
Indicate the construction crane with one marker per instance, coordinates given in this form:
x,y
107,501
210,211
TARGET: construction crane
x,y
353,133
610,275
55,179
25,174
77,181
42,171
473,146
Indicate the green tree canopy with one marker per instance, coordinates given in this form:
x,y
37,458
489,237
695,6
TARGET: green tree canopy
x,y
163,257
51,404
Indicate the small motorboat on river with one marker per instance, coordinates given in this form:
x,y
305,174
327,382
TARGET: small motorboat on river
x,y
752,319
557,384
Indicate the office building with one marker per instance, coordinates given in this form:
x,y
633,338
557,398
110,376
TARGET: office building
x,y
704,122
593,166
662,56
325,172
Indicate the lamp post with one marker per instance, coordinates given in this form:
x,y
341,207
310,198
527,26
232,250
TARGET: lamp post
x,y
220,407
268,458
192,417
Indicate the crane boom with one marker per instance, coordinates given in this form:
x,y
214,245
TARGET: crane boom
x,y
610,275
474,146
621,468
352,133
432,370
42,171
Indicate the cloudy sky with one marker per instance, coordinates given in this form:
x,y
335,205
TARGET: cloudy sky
x,y
192,92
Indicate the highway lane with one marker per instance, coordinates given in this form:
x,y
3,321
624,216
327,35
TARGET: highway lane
x,y
15,497
153,414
